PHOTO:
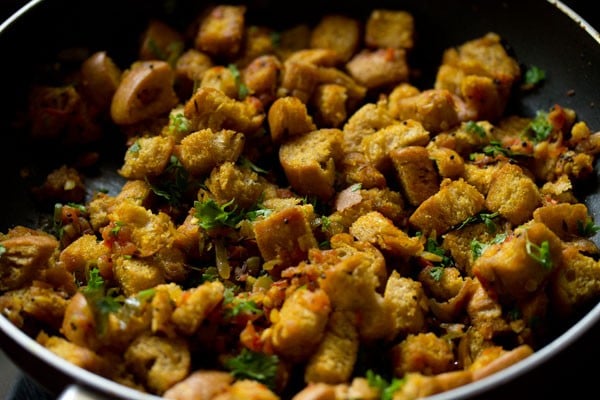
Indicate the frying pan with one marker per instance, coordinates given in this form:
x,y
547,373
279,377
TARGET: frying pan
x,y
543,33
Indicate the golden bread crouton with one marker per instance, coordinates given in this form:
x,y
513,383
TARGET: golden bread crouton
x,y
390,28
455,202
77,355
378,145
329,101
160,41
36,302
423,352
437,109
375,228
147,157
353,202
289,117
576,282
417,385
63,184
200,385
480,68
82,254
520,265
495,358
416,173
480,176
191,66
293,39
201,151
300,324
228,181
286,235
458,243
447,285
261,77
221,78
134,275
564,219
334,359
26,252
337,32
158,362
162,305
195,304
149,232
145,91
221,31
247,389
366,120
406,302
209,108
379,68
357,169
448,162
513,194
309,161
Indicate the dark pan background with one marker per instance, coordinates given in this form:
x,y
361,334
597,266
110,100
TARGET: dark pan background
x,y
574,373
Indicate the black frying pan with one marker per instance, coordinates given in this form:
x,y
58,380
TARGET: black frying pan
x,y
546,34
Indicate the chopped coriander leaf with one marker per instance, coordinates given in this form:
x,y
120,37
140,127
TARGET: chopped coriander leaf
x,y
237,306
175,49
173,183
254,365
432,246
211,215
102,300
436,273
243,90
534,75
2,250
117,228
386,389
474,127
179,123
540,128
495,148
156,50
588,228
477,248
540,253
356,187
244,162
486,218
276,39
325,223
79,207
135,147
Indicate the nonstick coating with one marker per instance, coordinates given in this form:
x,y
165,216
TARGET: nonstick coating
x,y
537,32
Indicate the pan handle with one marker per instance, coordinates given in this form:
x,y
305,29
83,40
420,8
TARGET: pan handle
x,y
77,392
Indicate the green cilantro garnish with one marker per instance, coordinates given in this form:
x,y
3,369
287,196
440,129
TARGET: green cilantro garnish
x,y
236,306
540,253
436,273
276,39
495,148
534,75
386,389
135,147
117,228
325,223
179,123
245,162
477,247
539,129
2,250
254,365
102,299
243,90
433,247
211,215
356,187
588,228
486,218
173,183
474,127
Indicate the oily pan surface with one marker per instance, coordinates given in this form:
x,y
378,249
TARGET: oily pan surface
x,y
552,97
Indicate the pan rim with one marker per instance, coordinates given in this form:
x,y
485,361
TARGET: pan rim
x,y
80,376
